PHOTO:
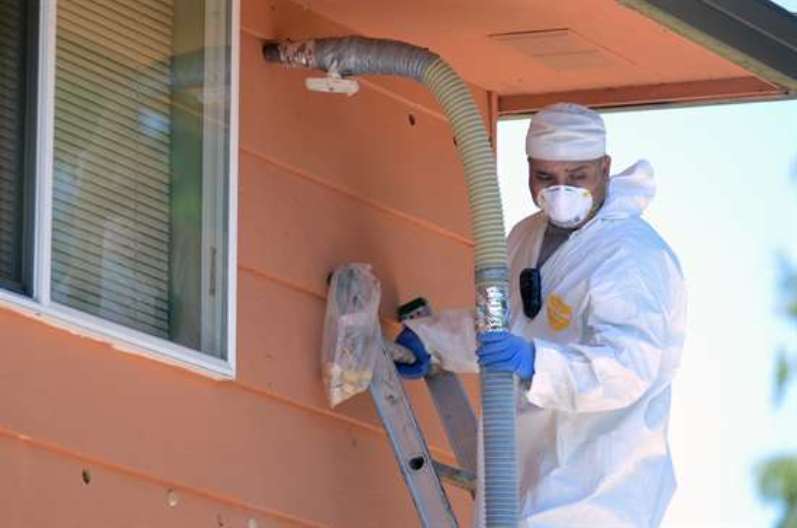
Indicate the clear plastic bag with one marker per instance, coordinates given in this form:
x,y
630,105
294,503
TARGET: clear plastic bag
x,y
352,335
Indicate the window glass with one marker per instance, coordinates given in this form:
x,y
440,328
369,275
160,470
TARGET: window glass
x,y
140,166
17,100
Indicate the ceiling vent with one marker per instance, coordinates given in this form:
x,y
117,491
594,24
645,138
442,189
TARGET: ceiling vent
x,y
560,49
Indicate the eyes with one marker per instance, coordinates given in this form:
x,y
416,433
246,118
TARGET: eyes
x,y
545,178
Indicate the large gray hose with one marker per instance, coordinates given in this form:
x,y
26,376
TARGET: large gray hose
x,y
357,56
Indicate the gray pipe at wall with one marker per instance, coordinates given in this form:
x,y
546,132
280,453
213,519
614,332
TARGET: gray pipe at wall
x,y
362,56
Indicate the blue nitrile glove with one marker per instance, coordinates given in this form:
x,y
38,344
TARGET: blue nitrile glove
x,y
506,352
423,361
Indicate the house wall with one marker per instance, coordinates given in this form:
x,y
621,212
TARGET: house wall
x,y
93,437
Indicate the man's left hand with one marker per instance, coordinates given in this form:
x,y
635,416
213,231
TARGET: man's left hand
x,y
506,352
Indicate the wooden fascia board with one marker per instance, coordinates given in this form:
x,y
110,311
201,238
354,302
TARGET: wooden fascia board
x,y
697,92
757,35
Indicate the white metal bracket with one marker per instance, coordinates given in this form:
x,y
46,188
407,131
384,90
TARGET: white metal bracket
x,y
332,83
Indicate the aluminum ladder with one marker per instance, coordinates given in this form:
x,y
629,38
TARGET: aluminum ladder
x,y
422,474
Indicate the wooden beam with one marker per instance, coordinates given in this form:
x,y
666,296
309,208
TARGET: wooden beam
x,y
760,37
713,90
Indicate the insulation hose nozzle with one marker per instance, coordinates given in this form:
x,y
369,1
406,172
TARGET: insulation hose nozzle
x,y
365,56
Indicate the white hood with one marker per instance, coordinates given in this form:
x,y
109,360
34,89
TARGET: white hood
x,y
630,192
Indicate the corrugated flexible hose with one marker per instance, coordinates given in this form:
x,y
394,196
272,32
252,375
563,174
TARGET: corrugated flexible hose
x,y
359,56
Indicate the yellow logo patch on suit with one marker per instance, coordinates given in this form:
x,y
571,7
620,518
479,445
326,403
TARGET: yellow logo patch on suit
x,y
559,313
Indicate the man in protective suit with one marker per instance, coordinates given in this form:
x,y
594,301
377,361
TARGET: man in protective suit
x,y
595,346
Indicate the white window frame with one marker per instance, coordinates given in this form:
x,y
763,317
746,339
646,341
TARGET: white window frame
x,y
40,304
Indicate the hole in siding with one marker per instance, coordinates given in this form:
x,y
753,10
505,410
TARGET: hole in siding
x,y
171,498
416,463
454,138
411,119
86,476
219,520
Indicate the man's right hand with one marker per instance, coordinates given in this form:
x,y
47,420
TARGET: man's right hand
x,y
423,361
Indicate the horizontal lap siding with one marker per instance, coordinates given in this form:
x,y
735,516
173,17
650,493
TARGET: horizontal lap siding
x,y
152,422
323,180
42,487
283,216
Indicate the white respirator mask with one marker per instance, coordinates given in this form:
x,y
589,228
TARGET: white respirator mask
x,y
566,206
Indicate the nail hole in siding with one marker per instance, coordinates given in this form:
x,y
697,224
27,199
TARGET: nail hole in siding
x,y
86,476
454,138
411,119
171,498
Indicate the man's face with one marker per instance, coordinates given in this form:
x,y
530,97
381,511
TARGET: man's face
x,y
591,174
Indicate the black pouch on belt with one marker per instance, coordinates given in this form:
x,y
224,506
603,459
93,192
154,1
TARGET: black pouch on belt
x,y
531,292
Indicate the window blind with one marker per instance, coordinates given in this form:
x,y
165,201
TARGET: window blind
x,y
13,43
111,230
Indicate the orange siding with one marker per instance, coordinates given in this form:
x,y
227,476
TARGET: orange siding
x,y
323,180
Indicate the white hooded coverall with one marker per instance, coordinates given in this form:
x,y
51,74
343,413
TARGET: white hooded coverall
x,y
592,427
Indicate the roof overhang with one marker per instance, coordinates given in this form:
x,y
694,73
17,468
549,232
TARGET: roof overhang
x,y
757,35
603,53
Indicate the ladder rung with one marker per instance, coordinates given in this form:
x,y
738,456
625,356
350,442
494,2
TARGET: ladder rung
x,y
458,477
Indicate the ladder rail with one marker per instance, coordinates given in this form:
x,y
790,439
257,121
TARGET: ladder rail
x,y
452,405
459,420
409,446
448,394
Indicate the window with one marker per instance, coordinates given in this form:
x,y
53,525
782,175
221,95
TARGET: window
x,y
17,115
136,195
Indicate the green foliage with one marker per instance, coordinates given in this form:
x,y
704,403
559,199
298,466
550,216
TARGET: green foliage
x,y
790,521
777,482
783,374
786,362
789,289
777,477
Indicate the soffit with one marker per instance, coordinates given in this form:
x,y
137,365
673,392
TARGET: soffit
x,y
522,49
